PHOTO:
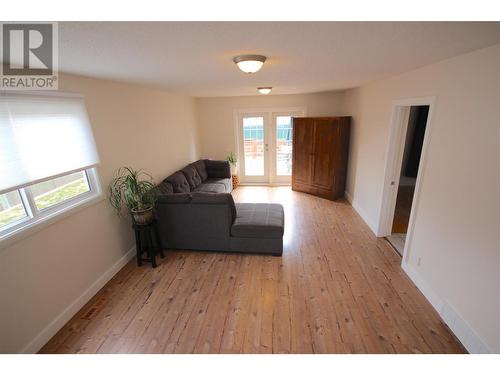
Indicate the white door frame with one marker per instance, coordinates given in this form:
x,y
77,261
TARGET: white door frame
x,y
269,137
392,171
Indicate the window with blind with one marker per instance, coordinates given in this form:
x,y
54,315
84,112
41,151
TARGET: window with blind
x,y
48,159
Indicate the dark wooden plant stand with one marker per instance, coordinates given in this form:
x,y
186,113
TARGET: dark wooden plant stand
x,y
147,240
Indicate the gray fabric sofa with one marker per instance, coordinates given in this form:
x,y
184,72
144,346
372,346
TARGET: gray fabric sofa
x,y
209,176
196,211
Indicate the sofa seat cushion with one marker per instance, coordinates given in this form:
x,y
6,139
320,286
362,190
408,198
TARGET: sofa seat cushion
x,y
201,168
258,220
179,182
192,176
206,187
226,182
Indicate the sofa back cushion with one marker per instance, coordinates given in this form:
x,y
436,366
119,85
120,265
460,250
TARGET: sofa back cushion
x,y
179,182
218,168
192,176
220,199
165,187
201,168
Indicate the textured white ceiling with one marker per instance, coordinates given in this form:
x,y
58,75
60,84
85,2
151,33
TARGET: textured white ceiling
x,y
196,57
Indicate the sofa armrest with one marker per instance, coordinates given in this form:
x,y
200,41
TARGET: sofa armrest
x,y
218,168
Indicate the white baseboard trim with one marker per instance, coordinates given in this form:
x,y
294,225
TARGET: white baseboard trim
x,y
348,196
464,332
361,212
48,332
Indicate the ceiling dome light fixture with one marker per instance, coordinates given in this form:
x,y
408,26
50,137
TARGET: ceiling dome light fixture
x,y
264,90
249,63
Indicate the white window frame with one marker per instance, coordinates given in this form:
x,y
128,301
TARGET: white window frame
x,y
38,219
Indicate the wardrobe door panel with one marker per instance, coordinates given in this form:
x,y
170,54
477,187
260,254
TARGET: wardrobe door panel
x,y
323,171
341,155
302,151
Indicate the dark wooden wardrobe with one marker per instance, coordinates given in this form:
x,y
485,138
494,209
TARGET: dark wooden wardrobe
x,y
320,152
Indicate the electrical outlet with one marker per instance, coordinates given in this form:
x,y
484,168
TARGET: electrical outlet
x,y
419,261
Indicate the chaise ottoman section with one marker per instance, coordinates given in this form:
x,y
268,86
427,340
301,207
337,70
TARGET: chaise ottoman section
x,y
258,227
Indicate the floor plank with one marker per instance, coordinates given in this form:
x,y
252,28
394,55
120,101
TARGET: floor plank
x,y
336,289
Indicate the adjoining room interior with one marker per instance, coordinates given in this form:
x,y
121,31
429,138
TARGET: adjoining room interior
x,y
412,149
241,189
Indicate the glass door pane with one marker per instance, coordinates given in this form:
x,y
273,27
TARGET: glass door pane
x,y
284,140
253,146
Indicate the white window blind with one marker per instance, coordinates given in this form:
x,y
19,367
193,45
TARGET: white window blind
x,y
43,137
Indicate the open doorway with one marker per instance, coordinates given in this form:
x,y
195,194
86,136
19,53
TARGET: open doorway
x,y
411,143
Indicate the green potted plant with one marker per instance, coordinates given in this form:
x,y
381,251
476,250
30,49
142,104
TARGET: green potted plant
x,y
233,160
134,190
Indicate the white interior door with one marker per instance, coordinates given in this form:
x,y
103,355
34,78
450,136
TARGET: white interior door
x,y
265,146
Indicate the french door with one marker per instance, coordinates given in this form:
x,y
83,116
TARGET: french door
x,y
265,146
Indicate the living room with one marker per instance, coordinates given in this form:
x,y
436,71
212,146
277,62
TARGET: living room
x,y
243,256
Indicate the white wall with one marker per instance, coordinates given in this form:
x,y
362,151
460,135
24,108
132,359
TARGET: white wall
x,y
45,274
457,226
216,117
